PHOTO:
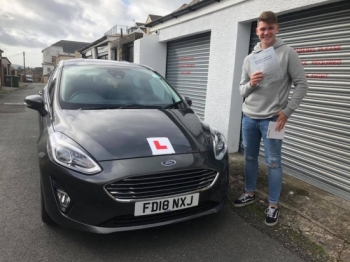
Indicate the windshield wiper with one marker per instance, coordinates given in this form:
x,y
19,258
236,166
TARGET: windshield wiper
x,y
173,104
126,106
98,108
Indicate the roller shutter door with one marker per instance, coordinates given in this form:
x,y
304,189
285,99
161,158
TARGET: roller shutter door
x,y
187,69
316,147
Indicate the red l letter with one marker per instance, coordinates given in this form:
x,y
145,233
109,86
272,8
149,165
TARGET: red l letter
x,y
159,146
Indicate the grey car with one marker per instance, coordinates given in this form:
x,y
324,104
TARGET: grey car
x,y
119,149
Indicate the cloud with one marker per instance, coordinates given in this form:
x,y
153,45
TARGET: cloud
x,y
32,25
19,39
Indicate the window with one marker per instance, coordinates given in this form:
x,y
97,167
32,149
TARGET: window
x,y
52,84
158,89
104,57
106,86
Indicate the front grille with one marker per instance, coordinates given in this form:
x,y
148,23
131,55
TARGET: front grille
x,y
161,184
130,220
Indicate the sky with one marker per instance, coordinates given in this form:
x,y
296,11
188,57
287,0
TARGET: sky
x,y
32,25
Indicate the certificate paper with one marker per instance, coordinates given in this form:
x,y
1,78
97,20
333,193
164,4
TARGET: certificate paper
x,y
266,61
272,133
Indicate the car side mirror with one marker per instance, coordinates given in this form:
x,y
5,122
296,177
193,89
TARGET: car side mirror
x,y
36,102
188,101
41,92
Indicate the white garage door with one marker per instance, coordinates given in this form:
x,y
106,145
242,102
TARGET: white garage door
x,y
187,69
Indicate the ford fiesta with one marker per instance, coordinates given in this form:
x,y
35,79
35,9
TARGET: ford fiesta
x,y
119,149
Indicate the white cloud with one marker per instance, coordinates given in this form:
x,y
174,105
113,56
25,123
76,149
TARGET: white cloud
x,y
32,25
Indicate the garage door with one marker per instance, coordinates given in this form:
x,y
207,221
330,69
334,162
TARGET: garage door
x,y
317,142
187,69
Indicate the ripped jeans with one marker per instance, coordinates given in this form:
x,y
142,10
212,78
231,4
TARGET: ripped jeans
x,y
252,131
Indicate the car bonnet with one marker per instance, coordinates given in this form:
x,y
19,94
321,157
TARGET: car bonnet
x,y
132,133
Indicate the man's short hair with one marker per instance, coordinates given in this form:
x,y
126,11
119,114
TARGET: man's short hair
x,y
268,17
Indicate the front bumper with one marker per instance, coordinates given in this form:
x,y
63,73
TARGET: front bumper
x,y
93,209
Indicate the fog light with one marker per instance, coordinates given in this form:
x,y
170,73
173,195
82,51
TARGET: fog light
x,y
63,198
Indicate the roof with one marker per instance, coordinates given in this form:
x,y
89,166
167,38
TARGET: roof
x,y
88,45
6,59
193,6
140,24
100,40
1,51
70,46
182,7
154,17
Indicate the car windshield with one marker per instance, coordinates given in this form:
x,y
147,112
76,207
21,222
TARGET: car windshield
x,y
106,87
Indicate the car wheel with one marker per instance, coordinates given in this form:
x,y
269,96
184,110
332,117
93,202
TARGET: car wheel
x,y
44,215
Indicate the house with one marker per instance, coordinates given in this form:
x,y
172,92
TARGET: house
x,y
200,49
138,27
101,48
63,48
124,46
150,19
6,66
36,74
1,71
117,43
60,57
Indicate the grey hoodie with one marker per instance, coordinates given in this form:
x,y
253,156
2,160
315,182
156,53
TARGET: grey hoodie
x,y
266,100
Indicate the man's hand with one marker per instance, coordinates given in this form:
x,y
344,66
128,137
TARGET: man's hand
x,y
256,78
281,121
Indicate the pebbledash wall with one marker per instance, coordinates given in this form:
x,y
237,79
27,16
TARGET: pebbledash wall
x,y
229,23
153,53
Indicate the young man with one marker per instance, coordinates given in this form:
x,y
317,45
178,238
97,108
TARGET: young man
x,y
264,103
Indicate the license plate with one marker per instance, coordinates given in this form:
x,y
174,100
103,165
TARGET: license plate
x,y
165,205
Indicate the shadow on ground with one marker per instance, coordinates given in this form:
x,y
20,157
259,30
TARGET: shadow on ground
x,y
311,219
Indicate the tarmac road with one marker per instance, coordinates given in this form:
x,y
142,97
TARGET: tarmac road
x,y
23,237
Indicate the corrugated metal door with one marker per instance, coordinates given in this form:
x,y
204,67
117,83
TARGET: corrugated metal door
x,y
316,147
187,69
130,54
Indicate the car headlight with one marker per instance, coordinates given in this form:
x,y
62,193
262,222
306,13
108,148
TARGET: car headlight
x,y
219,145
64,151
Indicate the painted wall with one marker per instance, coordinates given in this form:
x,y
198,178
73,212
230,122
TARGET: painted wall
x,y
229,22
47,69
150,52
6,65
51,51
48,53
77,54
63,57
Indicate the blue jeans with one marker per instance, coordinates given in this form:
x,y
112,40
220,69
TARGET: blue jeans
x,y
253,130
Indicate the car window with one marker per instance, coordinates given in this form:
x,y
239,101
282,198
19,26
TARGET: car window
x,y
51,75
52,84
106,86
158,88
